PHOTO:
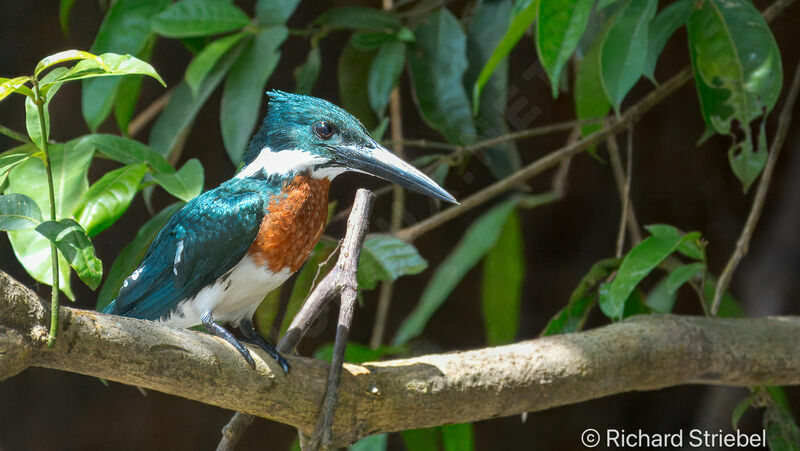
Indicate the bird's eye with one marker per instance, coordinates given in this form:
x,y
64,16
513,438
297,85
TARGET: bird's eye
x,y
323,129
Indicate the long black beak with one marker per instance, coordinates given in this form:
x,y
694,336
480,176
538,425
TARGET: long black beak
x,y
378,161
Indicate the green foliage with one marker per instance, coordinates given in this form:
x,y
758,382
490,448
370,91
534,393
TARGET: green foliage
x,y
384,73
307,74
204,62
19,212
305,279
638,263
783,433
377,442
385,258
473,246
662,28
559,27
77,248
738,73
437,67
108,198
503,274
451,437
187,18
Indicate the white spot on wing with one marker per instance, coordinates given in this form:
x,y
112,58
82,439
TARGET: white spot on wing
x,y
178,257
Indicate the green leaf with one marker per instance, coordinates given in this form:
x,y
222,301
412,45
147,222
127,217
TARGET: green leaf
x,y
19,212
736,60
692,246
660,299
132,254
275,12
522,19
377,442
437,68
17,84
204,62
64,8
487,27
458,437
503,274
125,29
108,198
740,409
126,151
357,18
662,28
70,164
352,71
306,74
476,242
781,428
77,248
183,106
385,258
108,64
384,73
747,164
358,353
12,157
639,262
559,27
243,94
267,311
625,48
188,18
186,183
572,317
591,100
62,57
683,274
34,125
422,439
304,280
367,41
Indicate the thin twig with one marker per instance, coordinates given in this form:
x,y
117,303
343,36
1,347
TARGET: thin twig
x,y
761,194
619,178
614,126
148,114
341,279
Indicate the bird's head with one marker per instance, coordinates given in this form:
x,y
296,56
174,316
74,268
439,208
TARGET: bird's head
x,y
306,134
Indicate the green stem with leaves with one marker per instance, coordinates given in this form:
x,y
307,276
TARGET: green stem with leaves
x,y
39,101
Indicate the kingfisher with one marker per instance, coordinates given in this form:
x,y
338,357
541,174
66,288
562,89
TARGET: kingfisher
x,y
219,255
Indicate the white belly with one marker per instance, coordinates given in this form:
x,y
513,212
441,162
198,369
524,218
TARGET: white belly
x,y
231,298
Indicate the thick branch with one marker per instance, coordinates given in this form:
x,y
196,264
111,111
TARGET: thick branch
x,y
644,353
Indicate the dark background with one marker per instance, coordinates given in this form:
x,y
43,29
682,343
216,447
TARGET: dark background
x,y
674,181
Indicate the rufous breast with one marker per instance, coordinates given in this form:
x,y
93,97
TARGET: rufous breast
x,y
293,225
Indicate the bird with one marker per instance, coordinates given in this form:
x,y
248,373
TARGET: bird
x,y
219,255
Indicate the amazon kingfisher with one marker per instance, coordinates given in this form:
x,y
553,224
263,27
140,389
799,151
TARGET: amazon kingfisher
x,y
225,250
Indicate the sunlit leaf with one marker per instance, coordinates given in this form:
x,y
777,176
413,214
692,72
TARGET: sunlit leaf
x,y
437,67
187,18
108,198
126,151
132,254
476,242
243,94
18,212
17,84
112,65
62,57
128,91
559,27
503,275
73,242
186,183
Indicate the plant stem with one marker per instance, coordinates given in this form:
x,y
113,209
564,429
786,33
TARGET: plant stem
x,y
14,135
51,338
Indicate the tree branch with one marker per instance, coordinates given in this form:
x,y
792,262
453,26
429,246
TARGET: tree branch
x,y
644,353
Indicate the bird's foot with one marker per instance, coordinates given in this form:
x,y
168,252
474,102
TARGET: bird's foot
x,y
255,338
216,329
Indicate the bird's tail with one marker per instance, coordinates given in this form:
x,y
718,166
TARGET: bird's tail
x,y
111,307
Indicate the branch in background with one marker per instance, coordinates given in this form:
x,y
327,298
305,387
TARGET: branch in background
x,y
761,194
340,279
15,135
643,353
622,178
148,114
613,126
